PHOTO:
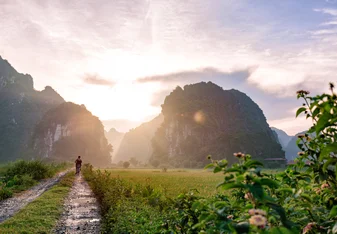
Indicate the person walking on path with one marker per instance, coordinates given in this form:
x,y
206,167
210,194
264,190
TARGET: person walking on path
x,y
78,163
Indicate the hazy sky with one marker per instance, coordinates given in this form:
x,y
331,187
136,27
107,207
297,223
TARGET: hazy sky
x,y
120,58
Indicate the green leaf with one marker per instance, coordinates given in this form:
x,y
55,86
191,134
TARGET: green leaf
x,y
334,229
211,165
333,212
233,170
230,185
280,230
306,197
332,148
242,227
327,163
323,122
270,183
257,191
315,112
300,110
217,169
252,163
281,212
287,190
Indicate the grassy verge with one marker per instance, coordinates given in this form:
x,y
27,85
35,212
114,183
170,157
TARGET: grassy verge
x,y
126,207
41,215
21,175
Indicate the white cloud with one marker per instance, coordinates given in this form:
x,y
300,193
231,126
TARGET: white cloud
x,y
324,32
60,41
329,23
330,11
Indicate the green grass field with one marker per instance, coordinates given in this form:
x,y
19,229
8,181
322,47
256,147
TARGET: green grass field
x,y
175,181
172,182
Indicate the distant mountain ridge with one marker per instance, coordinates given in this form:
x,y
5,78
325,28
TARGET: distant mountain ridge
x,y
283,137
202,119
21,108
137,142
291,149
115,139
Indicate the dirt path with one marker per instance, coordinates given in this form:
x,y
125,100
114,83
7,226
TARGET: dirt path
x,y
81,214
11,206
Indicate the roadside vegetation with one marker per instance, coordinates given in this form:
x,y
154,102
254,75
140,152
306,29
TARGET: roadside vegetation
x,y
41,215
300,199
21,175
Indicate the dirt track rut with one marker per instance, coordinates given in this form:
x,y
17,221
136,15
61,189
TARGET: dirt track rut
x,y
81,211
11,206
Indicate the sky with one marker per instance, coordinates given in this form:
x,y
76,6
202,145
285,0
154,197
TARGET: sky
x,y
121,58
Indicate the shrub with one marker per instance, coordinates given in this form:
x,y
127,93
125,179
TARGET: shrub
x,y
5,193
21,175
126,164
36,169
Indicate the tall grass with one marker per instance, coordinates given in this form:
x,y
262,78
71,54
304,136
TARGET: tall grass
x,y
21,175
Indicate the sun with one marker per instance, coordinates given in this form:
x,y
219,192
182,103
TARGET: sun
x,y
125,100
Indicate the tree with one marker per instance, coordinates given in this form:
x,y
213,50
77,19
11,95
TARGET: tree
x,y
134,162
126,164
155,163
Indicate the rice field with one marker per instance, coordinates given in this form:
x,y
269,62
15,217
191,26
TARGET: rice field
x,y
172,182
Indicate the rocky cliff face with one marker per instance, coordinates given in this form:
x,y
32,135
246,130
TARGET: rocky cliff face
x,y
115,139
137,142
204,119
69,130
21,108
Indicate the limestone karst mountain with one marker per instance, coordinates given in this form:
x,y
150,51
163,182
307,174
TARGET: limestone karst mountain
x,y
202,119
69,130
283,137
115,138
21,108
292,149
137,142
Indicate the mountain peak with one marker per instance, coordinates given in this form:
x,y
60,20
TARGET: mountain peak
x,y
10,77
203,119
22,105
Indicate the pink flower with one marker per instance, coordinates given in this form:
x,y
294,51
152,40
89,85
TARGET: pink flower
x,y
257,212
325,186
258,220
308,228
249,196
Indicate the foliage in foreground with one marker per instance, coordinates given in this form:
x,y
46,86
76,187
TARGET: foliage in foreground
x,y
41,215
302,199
21,175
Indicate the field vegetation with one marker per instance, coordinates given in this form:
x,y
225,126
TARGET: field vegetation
x,y
41,215
300,199
21,175
172,182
